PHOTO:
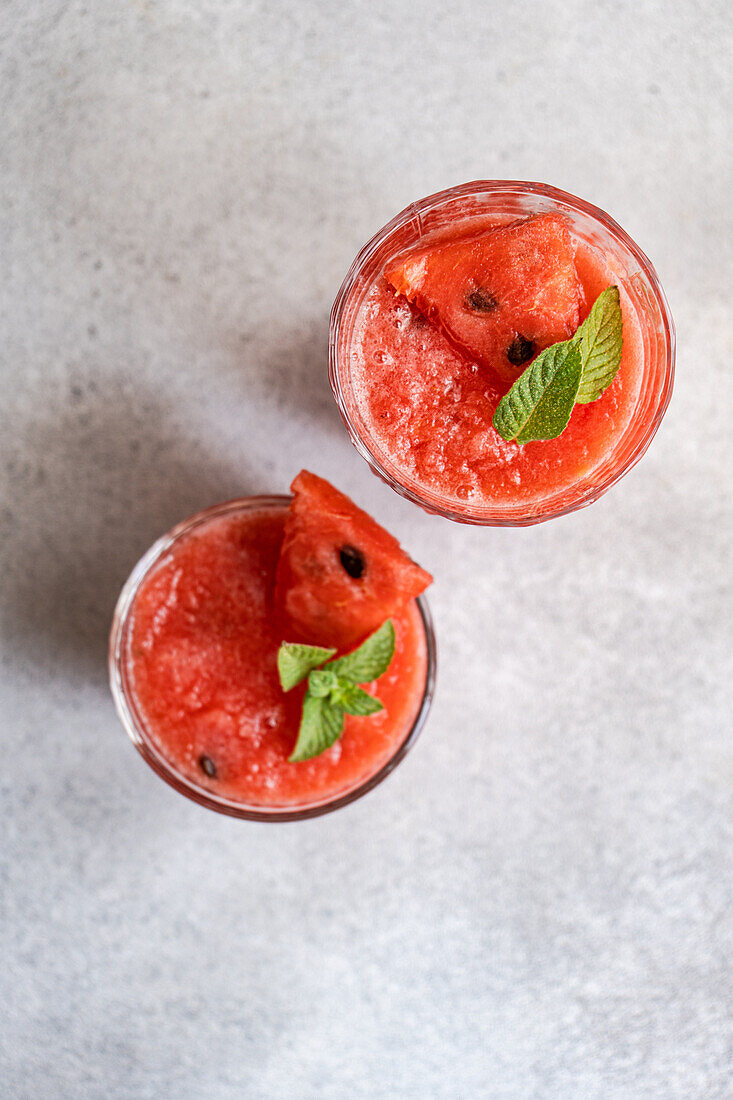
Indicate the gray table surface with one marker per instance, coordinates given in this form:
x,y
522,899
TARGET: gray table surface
x,y
538,902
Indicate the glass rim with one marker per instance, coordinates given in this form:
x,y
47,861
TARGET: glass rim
x,y
135,729
414,210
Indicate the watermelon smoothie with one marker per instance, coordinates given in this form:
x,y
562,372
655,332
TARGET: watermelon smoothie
x,y
194,676
420,410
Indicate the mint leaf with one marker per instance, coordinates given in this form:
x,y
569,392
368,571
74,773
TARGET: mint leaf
x,y
601,337
320,726
295,661
370,660
539,404
322,682
355,700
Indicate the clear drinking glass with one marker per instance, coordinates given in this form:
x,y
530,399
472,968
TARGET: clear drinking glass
x,y
134,722
510,199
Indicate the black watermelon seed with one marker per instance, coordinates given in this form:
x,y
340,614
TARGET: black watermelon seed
x,y
481,301
520,350
352,561
207,765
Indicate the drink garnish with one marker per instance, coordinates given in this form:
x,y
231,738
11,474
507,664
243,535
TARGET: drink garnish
x,y
570,372
340,574
333,687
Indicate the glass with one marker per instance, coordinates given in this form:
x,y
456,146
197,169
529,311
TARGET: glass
x,y
515,199
134,723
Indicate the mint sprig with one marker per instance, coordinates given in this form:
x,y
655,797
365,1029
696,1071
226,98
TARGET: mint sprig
x,y
578,370
333,689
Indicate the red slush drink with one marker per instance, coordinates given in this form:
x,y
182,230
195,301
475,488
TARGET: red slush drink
x,y
420,406
196,680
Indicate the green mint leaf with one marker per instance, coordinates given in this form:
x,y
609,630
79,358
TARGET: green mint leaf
x,y
355,700
323,682
601,338
320,726
370,660
295,661
539,404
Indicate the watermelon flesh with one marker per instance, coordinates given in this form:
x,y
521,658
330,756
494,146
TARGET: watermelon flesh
x,y
340,574
500,296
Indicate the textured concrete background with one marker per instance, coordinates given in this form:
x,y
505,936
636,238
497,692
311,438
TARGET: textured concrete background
x,y
538,903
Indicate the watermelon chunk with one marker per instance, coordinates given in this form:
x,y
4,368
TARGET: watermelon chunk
x,y
340,574
500,296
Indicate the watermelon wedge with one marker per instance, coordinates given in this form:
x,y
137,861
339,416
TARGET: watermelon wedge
x,y
500,296
340,574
